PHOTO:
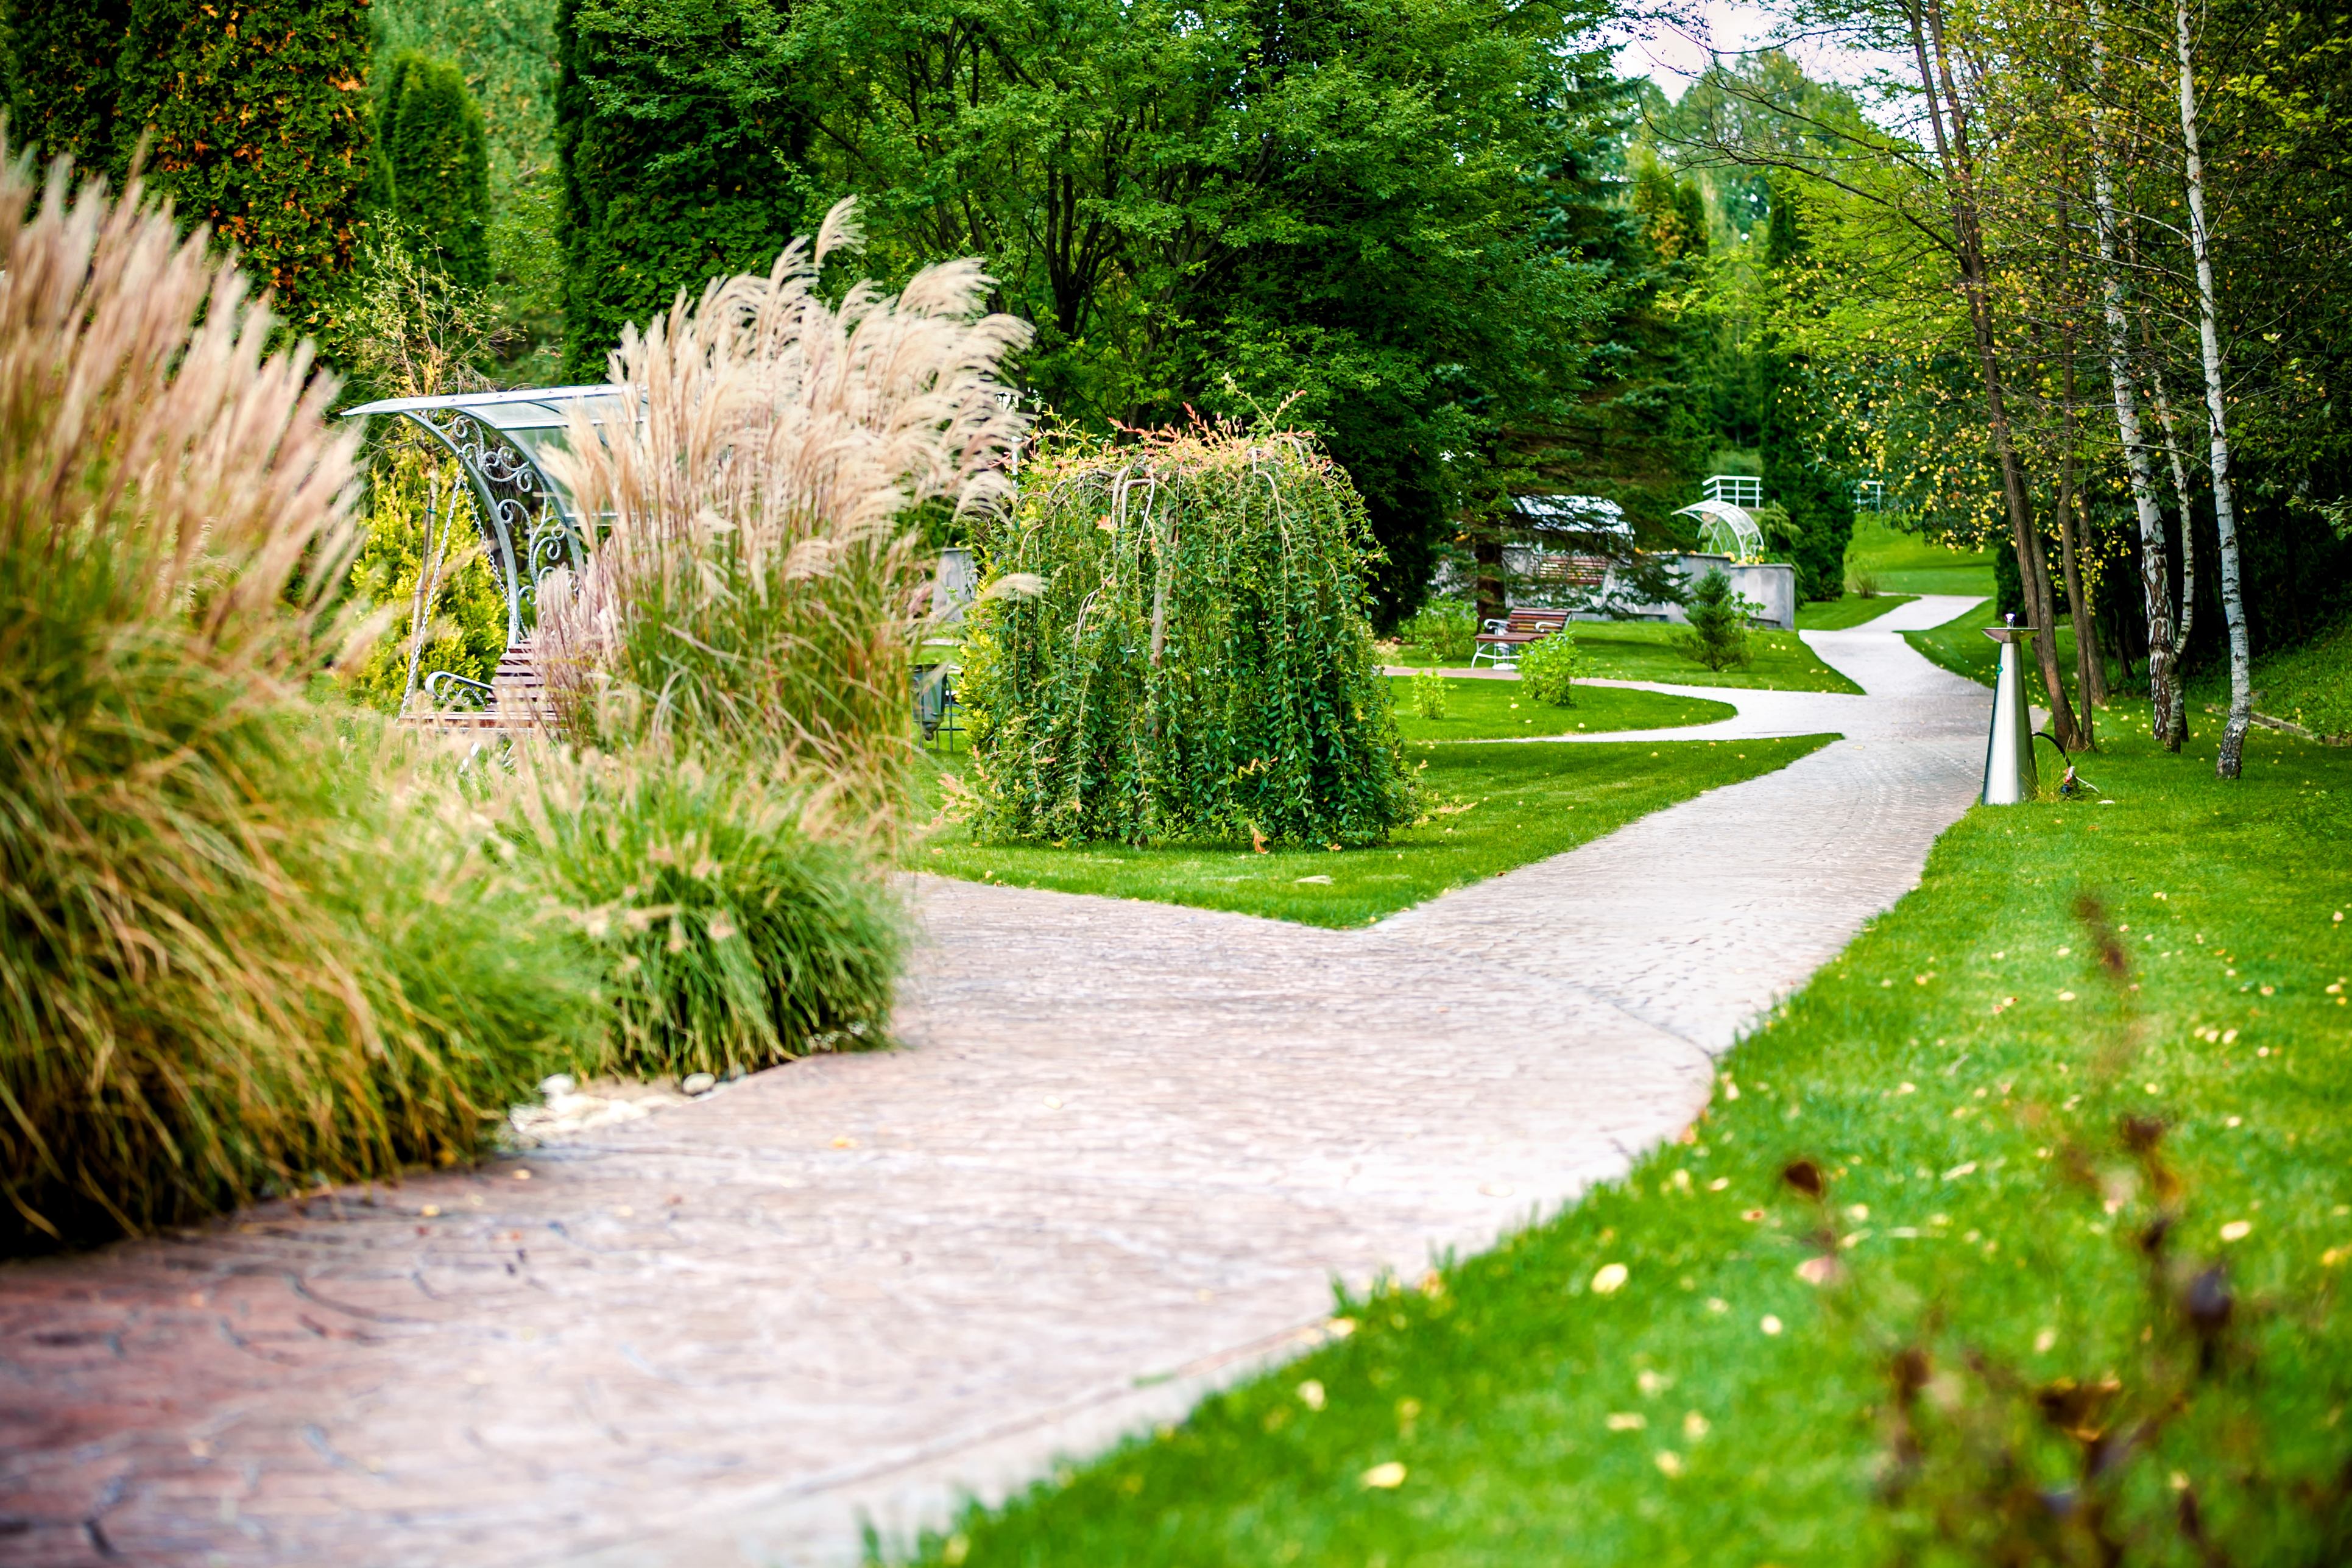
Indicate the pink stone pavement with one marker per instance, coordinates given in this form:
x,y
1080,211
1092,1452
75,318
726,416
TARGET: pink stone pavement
x,y
1125,1152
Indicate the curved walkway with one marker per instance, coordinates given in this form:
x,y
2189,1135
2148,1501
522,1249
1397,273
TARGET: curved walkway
x,y
1128,1150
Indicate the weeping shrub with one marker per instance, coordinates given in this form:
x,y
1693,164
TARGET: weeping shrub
x,y
760,589
1173,644
231,960
730,937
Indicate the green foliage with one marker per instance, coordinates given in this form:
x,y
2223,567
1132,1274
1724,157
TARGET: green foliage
x,y
1426,692
464,628
1193,660
232,961
1448,629
433,163
682,159
62,88
1548,668
1717,637
288,188
1798,475
729,938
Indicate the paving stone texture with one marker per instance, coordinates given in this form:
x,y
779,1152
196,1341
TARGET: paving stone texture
x,y
1125,1154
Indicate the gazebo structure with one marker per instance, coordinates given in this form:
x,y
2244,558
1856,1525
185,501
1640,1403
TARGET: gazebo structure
x,y
1726,530
500,440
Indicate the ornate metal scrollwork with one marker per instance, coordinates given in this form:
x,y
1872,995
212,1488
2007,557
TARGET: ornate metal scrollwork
x,y
524,526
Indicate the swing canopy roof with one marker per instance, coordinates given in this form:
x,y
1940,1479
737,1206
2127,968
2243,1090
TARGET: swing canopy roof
x,y
1727,530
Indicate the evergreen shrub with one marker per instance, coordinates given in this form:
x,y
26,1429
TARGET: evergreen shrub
x,y
233,959
1548,668
432,163
730,937
1194,660
1717,637
427,569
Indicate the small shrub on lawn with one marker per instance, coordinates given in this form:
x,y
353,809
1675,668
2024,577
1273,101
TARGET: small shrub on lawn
x,y
1717,637
731,938
1174,646
1548,668
231,960
1448,629
1427,691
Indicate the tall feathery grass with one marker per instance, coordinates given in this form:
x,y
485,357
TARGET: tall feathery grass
x,y
230,961
758,587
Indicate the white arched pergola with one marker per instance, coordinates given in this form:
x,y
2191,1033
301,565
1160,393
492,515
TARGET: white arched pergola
x,y
1726,530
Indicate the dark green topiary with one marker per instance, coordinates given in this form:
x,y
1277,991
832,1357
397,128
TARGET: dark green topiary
x,y
61,86
259,115
433,163
667,182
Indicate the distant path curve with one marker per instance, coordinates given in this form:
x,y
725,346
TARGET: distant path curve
x,y
1129,1148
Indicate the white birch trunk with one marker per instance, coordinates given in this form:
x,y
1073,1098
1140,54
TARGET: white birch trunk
x,y
2209,335
2155,574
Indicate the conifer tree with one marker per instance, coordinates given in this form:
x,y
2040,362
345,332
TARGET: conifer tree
x,y
1796,472
433,163
61,77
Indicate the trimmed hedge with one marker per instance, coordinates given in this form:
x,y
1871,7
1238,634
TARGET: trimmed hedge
x,y
433,163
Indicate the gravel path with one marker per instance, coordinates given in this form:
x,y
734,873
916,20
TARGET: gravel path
x,y
1128,1150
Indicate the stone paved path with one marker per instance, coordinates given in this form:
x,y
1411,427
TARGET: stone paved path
x,y
1129,1147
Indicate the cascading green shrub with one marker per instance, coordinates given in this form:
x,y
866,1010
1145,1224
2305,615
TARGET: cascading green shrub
x,y
233,959
1173,644
729,936
1548,668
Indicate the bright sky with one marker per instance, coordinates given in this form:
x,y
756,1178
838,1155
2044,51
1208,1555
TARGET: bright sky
x,y
1673,56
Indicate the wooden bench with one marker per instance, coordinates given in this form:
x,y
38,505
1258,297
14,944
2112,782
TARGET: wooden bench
x,y
1500,642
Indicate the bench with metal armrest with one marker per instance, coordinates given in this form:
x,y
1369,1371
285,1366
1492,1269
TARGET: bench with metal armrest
x,y
1499,641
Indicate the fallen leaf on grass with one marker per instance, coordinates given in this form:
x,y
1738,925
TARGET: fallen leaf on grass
x,y
1386,1477
1608,1280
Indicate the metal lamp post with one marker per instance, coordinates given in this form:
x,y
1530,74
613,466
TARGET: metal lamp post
x,y
2008,777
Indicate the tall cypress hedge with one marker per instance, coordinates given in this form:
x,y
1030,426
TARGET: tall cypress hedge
x,y
61,77
674,172
433,162
258,122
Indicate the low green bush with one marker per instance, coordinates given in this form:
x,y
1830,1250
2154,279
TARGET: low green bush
x,y
730,937
233,959
1448,629
1427,693
1173,644
1548,668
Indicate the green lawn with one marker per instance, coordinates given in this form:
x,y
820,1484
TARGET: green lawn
x,y
1505,807
1854,610
2310,685
1499,710
1716,1408
1906,563
1644,650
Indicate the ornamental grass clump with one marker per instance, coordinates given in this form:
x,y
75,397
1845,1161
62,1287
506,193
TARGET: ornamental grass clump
x,y
733,938
232,959
1174,645
760,588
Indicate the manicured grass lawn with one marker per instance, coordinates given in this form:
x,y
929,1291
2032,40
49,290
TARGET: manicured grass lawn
x,y
1500,709
2310,686
1644,650
1719,1409
1854,610
1507,805
1906,563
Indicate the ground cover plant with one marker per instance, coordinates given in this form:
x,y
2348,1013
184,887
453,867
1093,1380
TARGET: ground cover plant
x,y
233,958
1480,709
1174,646
1702,1362
1492,808
1838,614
